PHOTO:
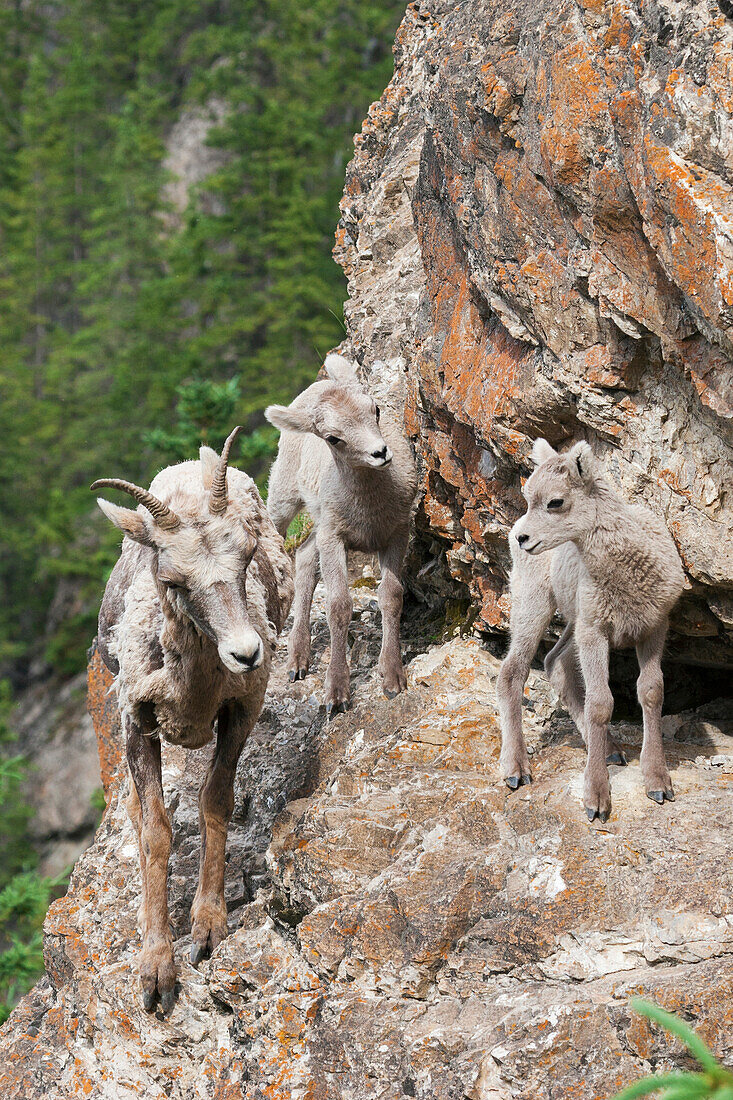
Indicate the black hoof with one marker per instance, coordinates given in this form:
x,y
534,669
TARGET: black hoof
x,y
617,758
512,782
656,796
525,780
591,814
669,795
292,674
148,1001
335,708
167,1001
198,951
604,815
301,674
390,694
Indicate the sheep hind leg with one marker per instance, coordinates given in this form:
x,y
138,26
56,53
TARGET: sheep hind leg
x,y
306,575
390,595
562,667
157,968
216,803
339,606
533,606
593,650
650,690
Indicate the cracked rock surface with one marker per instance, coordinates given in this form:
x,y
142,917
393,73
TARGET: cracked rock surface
x,y
537,231
401,924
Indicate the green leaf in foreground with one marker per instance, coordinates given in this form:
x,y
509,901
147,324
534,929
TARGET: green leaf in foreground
x,y
716,1083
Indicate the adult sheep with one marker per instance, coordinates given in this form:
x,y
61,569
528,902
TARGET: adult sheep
x,y
188,625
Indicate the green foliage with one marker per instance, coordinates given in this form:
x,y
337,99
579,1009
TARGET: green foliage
x,y
715,1082
24,895
131,330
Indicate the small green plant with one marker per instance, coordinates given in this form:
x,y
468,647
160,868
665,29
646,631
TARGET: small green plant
x,y
24,894
714,1082
298,532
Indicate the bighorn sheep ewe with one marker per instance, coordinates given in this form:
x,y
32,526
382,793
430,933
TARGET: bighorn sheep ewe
x,y
355,475
613,571
188,625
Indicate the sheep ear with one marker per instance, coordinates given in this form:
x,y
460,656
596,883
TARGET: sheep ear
x,y
289,419
130,522
542,452
581,462
209,461
339,369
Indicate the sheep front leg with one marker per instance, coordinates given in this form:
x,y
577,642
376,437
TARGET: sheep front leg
x,y
338,611
390,603
593,649
650,690
216,803
533,606
299,642
147,810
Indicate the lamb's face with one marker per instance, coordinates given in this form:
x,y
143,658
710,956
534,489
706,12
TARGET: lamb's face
x,y
201,569
559,497
348,420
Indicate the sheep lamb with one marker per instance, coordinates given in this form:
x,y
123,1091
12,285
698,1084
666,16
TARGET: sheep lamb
x,y
355,475
613,571
188,626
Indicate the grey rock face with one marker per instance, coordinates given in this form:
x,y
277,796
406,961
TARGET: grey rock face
x,y
537,235
401,925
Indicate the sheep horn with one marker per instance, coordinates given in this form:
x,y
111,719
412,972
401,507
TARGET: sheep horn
x,y
160,512
218,498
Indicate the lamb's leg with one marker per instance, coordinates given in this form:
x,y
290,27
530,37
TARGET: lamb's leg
x,y
593,650
562,666
650,690
299,642
338,610
533,606
216,803
390,602
157,968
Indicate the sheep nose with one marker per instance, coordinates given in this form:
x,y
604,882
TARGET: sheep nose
x,y
380,454
249,660
521,539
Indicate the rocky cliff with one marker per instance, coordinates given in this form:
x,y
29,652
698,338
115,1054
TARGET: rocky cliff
x,y
401,925
537,235
537,229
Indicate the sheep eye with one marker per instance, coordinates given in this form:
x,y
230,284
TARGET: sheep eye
x,y
557,502
333,440
376,412
173,586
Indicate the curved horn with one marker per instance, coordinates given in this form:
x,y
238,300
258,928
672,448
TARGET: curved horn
x,y
218,497
160,512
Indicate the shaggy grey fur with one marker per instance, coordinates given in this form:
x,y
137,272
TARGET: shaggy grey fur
x,y
354,473
613,572
188,625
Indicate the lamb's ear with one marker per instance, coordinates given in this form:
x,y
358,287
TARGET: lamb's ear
x,y
131,523
581,462
209,461
287,418
340,369
542,452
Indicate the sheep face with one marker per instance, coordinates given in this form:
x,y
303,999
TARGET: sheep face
x,y
201,572
340,412
201,554
346,418
560,495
